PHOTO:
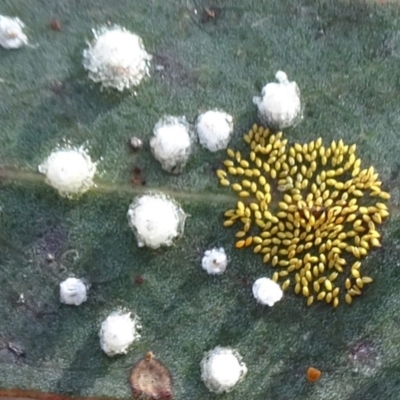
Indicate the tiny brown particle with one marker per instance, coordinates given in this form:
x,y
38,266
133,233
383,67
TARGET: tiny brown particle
x,y
139,279
55,25
313,374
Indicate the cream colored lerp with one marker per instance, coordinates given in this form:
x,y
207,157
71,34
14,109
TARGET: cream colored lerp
x,y
222,369
171,143
11,33
214,261
73,291
279,106
214,129
117,333
156,220
69,170
116,58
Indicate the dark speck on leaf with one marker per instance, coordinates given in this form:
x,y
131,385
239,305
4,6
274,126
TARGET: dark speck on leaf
x,y
55,25
139,279
244,282
59,89
137,176
52,242
209,14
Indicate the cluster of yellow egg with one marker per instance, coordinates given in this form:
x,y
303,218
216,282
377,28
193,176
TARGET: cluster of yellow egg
x,y
310,210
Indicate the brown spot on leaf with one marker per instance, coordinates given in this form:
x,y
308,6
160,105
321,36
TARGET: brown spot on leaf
x,y
149,378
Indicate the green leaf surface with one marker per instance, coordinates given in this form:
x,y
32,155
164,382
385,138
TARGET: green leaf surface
x,y
344,57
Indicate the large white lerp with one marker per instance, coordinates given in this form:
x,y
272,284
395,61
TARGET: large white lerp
x,y
116,58
221,369
156,220
215,129
69,170
117,333
266,291
279,105
172,142
11,33
73,291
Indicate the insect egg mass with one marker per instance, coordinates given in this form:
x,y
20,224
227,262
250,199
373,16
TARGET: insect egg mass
x,y
312,212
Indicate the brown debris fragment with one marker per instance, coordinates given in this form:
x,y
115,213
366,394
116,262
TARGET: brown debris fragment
x,y
150,379
313,374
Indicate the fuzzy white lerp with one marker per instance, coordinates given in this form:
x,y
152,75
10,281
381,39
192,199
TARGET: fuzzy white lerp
x,y
69,170
214,129
172,142
214,261
156,220
279,105
117,58
266,291
117,333
73,291
221,369
11,34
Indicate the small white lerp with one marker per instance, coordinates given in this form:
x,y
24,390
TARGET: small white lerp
x,y
171,144
214,129
117,58
69,170
73,291
11,33
221,369
279,105
266,291
214,261
156,220
117,333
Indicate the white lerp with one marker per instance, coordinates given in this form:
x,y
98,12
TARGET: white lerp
x,y
116,58
221,369
69,170
266,291
171,144
11,33
156,220
117,333
279,105
214,261
73,291
214,129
